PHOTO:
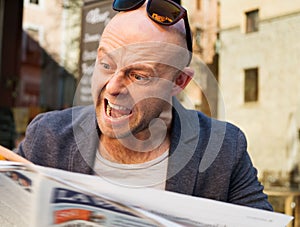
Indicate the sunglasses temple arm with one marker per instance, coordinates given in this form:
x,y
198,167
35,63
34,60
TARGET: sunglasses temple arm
x,y
189,37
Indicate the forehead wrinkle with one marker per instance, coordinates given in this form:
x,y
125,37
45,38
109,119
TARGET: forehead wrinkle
x,y
138,64
115,56
148,52
113,37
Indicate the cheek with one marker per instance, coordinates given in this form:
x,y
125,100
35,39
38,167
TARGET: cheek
x,y
163,90
153,108
159,92
152,99
94,88
97,84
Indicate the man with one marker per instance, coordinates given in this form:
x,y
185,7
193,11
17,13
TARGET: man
x,y
137,134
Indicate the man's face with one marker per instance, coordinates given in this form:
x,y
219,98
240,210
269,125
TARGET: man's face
x,y
134,75
128,92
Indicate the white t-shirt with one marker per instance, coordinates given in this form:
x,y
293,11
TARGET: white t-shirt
x,y
149,174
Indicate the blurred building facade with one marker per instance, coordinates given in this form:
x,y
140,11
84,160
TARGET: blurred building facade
x,y
40,46
259,78
202,92
50,53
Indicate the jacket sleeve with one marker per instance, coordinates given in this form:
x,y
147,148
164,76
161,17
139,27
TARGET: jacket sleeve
x,y
46,142
245,189
25,147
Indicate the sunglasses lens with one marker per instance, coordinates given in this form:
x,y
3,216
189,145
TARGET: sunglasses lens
x,y
123,5
163,12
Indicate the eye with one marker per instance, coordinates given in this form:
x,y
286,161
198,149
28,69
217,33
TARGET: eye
x,y
139,77
105,65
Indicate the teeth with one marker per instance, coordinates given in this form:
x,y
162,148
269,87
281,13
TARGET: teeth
x,y
108,110
116,111
110,105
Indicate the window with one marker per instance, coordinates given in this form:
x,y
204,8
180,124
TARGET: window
x,y
251,85
198,36
198,4
252,21
36,2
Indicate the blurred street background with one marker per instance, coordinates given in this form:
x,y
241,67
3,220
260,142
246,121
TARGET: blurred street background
x,y
246,59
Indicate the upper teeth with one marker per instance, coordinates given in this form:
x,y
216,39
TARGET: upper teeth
x,y
116,106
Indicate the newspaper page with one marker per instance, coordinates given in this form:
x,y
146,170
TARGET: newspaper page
x,y
32,199
16,196
183,209
72,195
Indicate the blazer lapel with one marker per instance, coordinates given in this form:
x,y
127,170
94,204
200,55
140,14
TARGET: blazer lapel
x,y
86,140
183,159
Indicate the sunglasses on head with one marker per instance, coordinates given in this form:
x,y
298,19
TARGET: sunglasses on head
x,y
164,12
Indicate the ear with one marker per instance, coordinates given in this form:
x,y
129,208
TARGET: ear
x,y
182,80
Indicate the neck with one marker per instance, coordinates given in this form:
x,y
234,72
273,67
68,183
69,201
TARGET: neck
x,y
116,150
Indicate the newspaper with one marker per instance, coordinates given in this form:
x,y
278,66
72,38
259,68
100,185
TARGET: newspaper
x,y
30,198
37,196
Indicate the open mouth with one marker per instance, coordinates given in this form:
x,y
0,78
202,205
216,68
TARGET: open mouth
x,y
116,111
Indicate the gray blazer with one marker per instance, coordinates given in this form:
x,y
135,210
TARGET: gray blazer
x,y
208,158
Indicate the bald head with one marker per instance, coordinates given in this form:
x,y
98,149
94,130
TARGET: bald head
x,y
135,27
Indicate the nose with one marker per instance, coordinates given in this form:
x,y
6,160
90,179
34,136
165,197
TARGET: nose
x,y
116,85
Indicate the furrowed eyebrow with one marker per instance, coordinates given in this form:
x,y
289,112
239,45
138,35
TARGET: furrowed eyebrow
x,y
136,65
140,67
103,52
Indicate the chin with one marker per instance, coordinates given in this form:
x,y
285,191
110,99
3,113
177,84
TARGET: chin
x,y
113,132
